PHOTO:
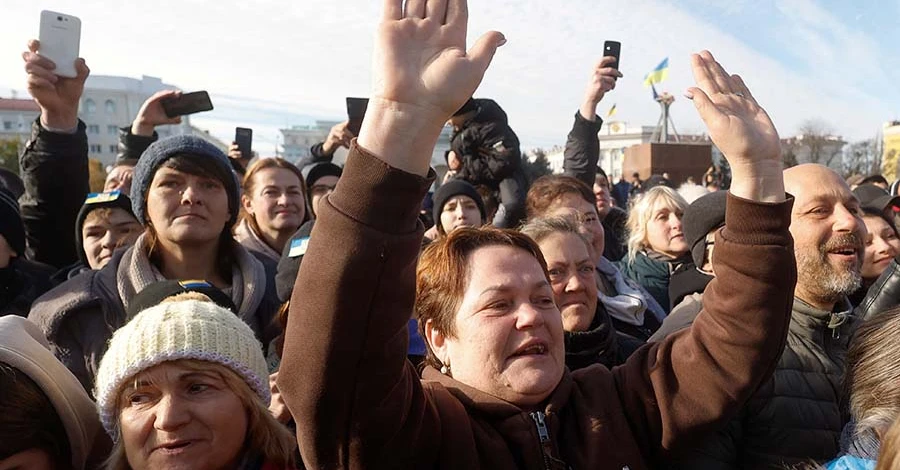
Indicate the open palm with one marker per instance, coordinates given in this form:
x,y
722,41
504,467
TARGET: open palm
x,y
420,56
738,126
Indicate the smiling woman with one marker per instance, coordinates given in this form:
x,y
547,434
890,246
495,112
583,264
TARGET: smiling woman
x,y
184,384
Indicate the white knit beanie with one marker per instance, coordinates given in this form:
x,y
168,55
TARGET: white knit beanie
x,y
186,329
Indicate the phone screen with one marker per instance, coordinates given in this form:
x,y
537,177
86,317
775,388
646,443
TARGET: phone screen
x,y
614,49
187,103
356,111
244,139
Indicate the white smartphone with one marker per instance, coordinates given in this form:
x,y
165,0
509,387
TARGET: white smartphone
x,y
60,38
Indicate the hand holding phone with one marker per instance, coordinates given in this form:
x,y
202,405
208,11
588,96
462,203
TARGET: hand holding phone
x,y
186,103
60,39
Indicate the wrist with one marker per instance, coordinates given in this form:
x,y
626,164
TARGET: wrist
x,y
401,135
758,181
59,120
588,109
141,127
328,147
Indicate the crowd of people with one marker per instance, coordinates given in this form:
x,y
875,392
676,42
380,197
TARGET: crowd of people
x,y
210,311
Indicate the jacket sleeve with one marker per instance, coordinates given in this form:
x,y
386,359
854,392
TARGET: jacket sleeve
x,y
357,401
132,146
582,150
883,294
54,169
696,380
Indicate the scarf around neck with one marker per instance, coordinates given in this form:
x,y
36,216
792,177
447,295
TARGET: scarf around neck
x,y
248,277
630,302
249,239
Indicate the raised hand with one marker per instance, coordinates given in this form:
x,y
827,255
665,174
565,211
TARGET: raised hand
x,y
152,114
339,136
603,79
57,96
421,75
740,128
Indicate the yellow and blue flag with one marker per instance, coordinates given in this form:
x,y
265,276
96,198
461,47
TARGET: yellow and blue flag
x,y
611,112
660,73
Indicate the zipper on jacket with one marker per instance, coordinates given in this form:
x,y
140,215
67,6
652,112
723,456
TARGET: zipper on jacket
x,y
544,435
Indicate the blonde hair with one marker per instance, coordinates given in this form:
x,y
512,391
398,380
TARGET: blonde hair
x,y
642,208
889,455
872,379
265,435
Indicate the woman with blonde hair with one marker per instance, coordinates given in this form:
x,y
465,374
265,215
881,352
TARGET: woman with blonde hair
x,y
872,383
273,207
184,384
656,243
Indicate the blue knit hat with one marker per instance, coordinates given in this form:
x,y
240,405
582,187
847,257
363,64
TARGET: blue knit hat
x,y
162,150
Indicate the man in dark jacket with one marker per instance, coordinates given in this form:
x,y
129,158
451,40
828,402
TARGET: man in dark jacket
x,y
795,416
489,155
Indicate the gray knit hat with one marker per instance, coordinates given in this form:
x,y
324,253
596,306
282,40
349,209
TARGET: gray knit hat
x,y
162,150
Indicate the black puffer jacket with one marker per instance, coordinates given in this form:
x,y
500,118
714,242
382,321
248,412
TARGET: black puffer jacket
x,y
54,169
600,344
883,294
795,416
487,147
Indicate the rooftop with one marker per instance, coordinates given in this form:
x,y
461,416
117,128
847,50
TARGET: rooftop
x,y
13,104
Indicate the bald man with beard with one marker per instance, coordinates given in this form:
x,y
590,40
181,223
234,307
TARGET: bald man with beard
x,y
795,416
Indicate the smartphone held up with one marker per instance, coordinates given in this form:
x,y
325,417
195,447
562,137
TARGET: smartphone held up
x,y
60,37
186,103
613,49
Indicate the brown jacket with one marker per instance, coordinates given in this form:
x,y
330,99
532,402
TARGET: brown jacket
x,y
359,404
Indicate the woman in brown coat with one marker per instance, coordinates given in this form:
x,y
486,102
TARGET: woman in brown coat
x,y
505,398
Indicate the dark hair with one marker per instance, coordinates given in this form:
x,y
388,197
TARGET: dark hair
x,y
547,189
873,212
30,420
491,203
443,272
204,168
875,179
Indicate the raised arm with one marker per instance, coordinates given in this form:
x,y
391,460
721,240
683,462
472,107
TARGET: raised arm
x,y
54,165
344,375
701,376
582,146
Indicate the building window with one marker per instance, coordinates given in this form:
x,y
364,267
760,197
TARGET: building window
x,y
96,148
89,106
7,125
113,149
112,130
93,129
110,107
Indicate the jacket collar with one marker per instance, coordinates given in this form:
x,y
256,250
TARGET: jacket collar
x,y
808,320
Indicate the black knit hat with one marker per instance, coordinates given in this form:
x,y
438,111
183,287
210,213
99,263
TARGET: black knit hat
x,y
873,196
654,181
704,215
314,172
452,188
468,106
11,226
289,264
194,147
112,200
155,293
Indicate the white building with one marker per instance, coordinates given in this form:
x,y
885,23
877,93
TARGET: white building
x,y
16,116
822,149
110,102
615,137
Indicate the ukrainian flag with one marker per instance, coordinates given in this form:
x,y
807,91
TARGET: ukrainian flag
x,y
660,73
611,112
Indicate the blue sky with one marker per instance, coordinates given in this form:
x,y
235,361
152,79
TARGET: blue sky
x,y
275,63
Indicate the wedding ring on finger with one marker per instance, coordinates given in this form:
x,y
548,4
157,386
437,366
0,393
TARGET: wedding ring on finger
x,y
738,94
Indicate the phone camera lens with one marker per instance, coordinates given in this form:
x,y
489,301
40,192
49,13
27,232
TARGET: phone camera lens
x,y
59,18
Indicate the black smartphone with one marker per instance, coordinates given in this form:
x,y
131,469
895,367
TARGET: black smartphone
x,y
612,48
243,137
187,103
356,111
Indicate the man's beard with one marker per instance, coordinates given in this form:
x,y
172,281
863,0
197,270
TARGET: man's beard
x,y
821,278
